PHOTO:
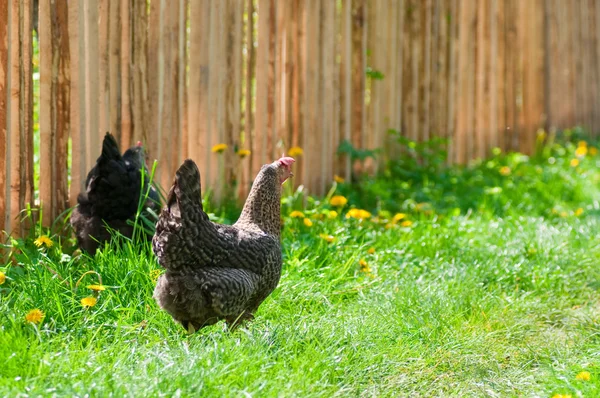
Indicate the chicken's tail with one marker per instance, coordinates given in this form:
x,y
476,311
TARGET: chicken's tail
x,y
185,194
181,220
110,148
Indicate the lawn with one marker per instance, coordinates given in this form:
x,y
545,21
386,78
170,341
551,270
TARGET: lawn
x,y
431,281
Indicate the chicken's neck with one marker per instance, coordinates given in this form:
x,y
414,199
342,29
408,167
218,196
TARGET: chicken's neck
x,y
263,206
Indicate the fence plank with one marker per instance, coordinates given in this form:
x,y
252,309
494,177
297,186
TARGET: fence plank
x,y
125,44
5,44
45,112
12,136
358,67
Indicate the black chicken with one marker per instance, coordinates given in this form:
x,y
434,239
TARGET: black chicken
x,y
112,196
217,271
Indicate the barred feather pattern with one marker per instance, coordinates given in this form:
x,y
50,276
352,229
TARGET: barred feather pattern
x,y
217,271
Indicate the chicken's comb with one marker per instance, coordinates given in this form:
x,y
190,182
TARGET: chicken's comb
x,y
286,161
139,143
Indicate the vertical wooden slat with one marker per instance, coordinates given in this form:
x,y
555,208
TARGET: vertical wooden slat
x,y
153,119
126,40
139,70
464,121
452,99
12,137
493,75
233,88
327,93
358,71
346,81
249,97
533,74
77,112
5,44
103,101
312,160
482,75
425,81
92,130
114,70
260,141
298,45
26,99
45,111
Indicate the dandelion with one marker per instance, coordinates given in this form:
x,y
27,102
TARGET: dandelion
x,y
359,214
583,376
307,222
338,201
397,217
574,162
364,266
406,223
593,151
295,151
563,214
505,171
338,179
2,278
579,212
297,214
89,301
327,238
219,148
242,153
43,240
562,396
154,274
332,214
371,250
389,225
34,316
97,288
581,144
581,151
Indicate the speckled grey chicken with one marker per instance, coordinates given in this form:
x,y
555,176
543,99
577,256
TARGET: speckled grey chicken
x,y
112,195
216,271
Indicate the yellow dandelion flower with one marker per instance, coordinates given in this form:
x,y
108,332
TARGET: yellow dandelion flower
x,y
219,148
2,278
562,396
43,240
398,217
332,214
338,201
579,212
242,153
371,250
297,214
389,225
338,179
406,223
295,151
154,274
359,214
89,301
574,162
307,222
505,171
584,376
97,288
34,316
364,266
563,214
593,151
581,151
582,144
327,238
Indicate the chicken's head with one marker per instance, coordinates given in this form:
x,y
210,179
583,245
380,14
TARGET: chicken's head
x,y
284,168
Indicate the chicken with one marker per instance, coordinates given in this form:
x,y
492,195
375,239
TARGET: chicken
x,y
112,196
213,271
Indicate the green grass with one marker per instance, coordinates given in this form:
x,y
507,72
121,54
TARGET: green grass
x,y
492,291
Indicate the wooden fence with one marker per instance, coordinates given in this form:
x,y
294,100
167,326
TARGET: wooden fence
x,y
268,75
